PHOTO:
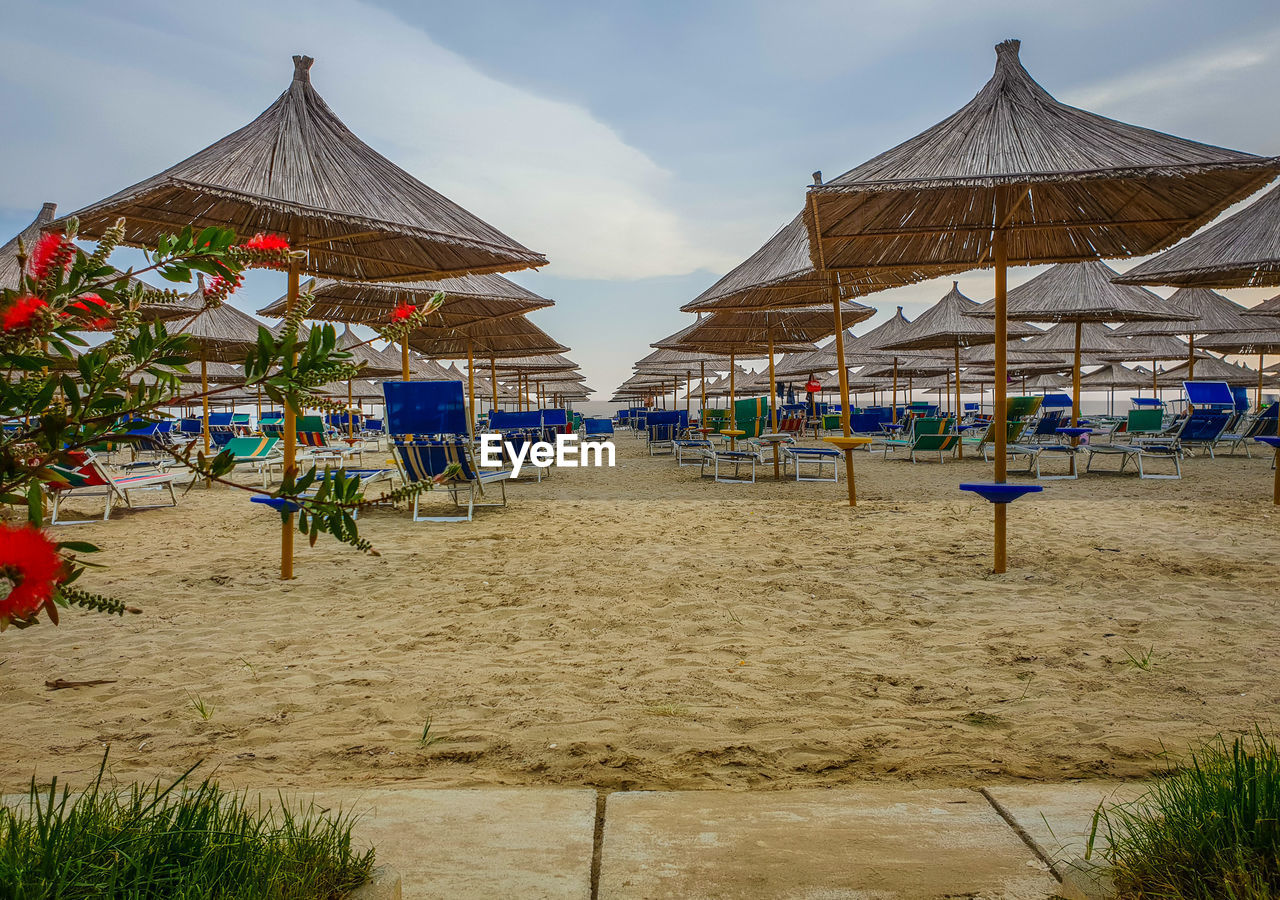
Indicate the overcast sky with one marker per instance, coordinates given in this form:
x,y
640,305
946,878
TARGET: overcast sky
x,y
646,148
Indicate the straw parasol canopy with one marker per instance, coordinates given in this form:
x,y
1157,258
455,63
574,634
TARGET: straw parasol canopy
x,y
1017,177
1083,292
1046,381
542,362
374,363
787,329
947,326
781,274
1064,184
468,299
1242,250
1214,315
222,333
298,170
512,337
1112,376
1209,369
1265,308
1066,338
215,372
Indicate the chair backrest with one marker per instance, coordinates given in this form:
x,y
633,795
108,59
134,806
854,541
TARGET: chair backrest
x,y
1049,423
665,425
597,426
1056,401
220,421
927,442
1024,407
425,407
251,447
421,460
1204,425
1145,421
926,425
192,426
83,472
1209,393
311,431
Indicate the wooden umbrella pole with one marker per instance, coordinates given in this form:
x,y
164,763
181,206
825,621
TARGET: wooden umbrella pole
x,y
844,391
1001,248
1075,378
773,407
894,410
1191,357
702,408
204,397
258,404
350,402
404,358
959,406
471,386
1155,379
688,389
1257,401
733,426
493,381
290,461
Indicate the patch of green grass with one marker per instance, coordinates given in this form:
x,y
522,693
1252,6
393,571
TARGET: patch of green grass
x,y
182,841
427,738
203,710
1143,661
1210,829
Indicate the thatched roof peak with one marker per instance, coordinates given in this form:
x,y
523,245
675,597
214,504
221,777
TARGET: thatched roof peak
x,y
1082,292
1212,312
9,271
298,170
1067,184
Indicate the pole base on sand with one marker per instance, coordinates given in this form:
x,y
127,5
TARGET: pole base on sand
x,y
1001,495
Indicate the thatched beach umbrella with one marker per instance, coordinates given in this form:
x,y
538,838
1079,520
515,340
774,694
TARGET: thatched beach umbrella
x,y
1210,368
522,366
1080,293
469,300
947,326
665,361
1211,314
10,272
223,334
298,170
1110,377
747,331
1017,177
508,337
1243,250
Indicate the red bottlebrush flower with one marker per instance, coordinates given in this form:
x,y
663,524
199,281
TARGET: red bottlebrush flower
x,y
219,289
269,243
402,312
30,561
92,307
51,251
21,313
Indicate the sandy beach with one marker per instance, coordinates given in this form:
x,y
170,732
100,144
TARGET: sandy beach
x,y
642,628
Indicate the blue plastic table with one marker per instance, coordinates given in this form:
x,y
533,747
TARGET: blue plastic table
x,y
1003,492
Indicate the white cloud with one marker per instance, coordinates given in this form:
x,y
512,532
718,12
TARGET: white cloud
x,y
544,171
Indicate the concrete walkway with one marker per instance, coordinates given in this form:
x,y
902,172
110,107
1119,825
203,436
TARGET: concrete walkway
x,y
873,841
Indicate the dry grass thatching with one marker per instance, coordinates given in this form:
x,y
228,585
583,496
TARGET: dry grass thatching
x,y
782,274
373,362
1263,340
9,270
468,299
1212,314
542,362
1082,292
747,331
297,170
222,333
511,337
1061,339
947,324
1114,375
1067,184
1209,369
1240,251
1152,347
